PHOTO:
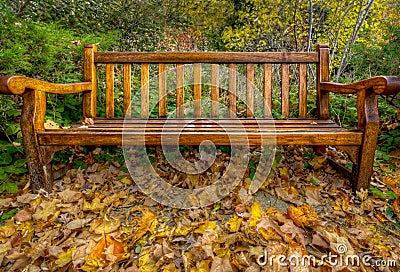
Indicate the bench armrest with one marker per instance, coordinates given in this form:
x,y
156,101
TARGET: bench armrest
x,y
387,85
18,85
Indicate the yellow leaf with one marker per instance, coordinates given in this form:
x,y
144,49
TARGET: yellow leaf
x,y
205,226
317,162
284,173
204,266
182,230
146,263
223,252
95,206
303,215
144,224
256,214
7,230
126,180
107,250
269,234
234,223
47,210
104,226
64,257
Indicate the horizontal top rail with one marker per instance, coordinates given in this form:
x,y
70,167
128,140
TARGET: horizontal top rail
x,y
206,57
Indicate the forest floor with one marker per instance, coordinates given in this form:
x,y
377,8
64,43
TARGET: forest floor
x,y
303,218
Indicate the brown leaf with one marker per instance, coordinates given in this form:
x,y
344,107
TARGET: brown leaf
x,y
221,265
396,206
22,216
295,232
104,226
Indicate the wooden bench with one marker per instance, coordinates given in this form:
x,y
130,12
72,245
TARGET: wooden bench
x,y
290,71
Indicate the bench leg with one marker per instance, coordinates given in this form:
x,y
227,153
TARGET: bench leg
x,y
363,171
40,176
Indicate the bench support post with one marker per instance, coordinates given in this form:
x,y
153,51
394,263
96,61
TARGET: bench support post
x,y
32,120
368,121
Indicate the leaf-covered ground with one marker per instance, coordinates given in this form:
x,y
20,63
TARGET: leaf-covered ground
x,y
304,218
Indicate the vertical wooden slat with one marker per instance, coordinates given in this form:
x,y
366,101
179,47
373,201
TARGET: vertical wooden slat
x,y
90,74
250,90
144,90
322,75
180,91
214,90
162,90
285,90
109,90
267,90
303,90
197,90
127,89
232,90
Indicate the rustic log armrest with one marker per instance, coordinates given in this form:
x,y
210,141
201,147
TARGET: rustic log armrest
x,y
18,85
387,85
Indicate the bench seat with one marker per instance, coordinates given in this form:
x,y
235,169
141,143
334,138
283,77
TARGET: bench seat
x,y
195,131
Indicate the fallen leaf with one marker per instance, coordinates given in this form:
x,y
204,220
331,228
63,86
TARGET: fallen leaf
x,y
303,216
22,216
47,210
77,223
107,250
69,195
104,226
146,263
221,265
64,257
207,225
256,214
95,206
7,230
234,223
396,206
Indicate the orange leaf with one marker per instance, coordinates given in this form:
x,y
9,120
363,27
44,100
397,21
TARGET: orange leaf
x,y
107,250
303,215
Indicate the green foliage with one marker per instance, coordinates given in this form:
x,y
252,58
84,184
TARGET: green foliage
x,y
384,195
390,141
4,216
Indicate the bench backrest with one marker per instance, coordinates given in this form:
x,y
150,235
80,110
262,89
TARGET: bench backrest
x,y
290,69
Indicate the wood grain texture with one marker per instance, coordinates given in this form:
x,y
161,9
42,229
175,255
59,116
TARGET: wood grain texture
x,y
250,90
197,137
32,114
322,76
285,90
109,90
206,57
232,78
214,90
162,90
267,82
90,75
364,169
197,89
17,85
302,90
180,90
127,90
386,85
144,90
